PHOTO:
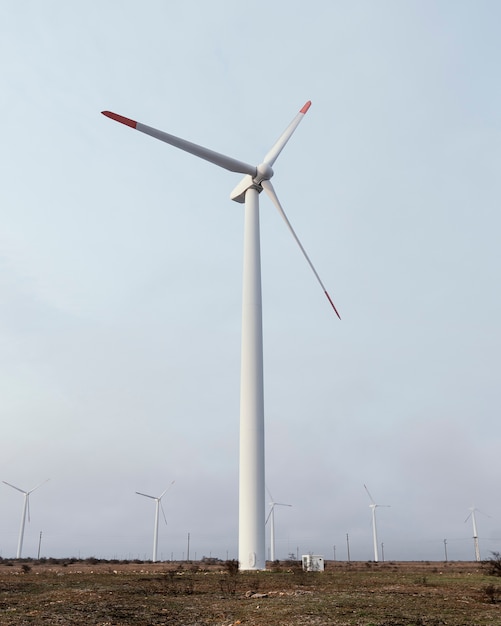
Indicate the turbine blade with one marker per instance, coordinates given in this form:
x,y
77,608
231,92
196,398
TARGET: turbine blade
x,y
14,487
163,512
479,511
368,493
269,515
42,483
226,162
268,187
145,495
279,145
166,490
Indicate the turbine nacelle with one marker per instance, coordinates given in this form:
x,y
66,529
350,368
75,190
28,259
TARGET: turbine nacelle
x,y
264,171
247,182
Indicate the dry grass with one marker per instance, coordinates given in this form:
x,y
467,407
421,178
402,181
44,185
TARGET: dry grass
x,y
357,594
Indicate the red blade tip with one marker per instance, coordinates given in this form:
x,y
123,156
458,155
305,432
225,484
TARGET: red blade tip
x,y
120,118
306,107
332,304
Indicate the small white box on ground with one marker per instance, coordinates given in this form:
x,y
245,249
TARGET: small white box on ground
x,y
313,563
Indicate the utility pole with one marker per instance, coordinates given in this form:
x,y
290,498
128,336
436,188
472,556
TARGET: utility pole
x,y
348,546
445,549
334,548
382,551
188,550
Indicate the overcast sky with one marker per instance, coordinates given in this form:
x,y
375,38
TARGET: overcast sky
x,y
121,273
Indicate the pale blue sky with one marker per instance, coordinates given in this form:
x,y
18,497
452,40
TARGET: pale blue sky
x,y
121,257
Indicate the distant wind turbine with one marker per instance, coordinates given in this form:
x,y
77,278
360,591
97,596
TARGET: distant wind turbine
x,y
475,533
26,509
373,506
271,519
158,506
251,549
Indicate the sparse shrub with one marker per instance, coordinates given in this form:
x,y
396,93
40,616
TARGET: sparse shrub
x,y
228,585
293,566
189,584
231,566
493,565
492,592
301,576
26,568
179,582
170,582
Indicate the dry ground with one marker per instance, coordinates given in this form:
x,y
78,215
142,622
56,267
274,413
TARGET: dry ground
x,y
356,594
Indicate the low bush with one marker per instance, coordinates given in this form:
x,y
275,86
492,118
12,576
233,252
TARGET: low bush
x,y
493,565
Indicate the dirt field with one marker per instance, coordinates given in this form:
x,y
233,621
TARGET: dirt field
x,y
356,594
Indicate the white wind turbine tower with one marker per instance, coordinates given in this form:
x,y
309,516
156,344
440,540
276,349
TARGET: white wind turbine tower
x,y
26,509
271,518
373,506
475,533
251,548
158,506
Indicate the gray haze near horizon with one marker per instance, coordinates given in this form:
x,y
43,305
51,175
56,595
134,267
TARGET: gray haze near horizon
x,y
121,265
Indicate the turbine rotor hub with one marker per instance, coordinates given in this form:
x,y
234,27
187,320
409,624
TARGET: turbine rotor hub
x,y
264,172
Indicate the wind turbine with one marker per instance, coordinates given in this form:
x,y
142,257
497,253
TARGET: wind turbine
x,y
158,506
251,548
373,506
26,509
475,534
271,518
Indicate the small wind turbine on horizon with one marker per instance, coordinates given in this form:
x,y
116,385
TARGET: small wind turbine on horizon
x,y
271,519
26,509
158,506
251,540
373,506
472,510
